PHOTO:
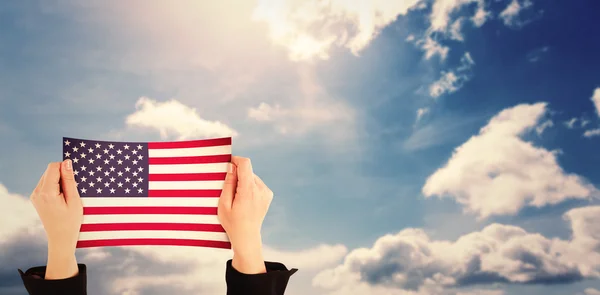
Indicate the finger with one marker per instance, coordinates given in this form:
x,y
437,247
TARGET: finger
x,y
51,178
229,187
262,186
67,182
38,187
259,183
244,173
36,191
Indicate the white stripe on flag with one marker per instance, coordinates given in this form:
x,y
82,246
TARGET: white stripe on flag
x,y
185,185
188,152
153,218
149,202
187,168
152,234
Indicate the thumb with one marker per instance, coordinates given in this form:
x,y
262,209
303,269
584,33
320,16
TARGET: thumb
x,y
230,187
67,181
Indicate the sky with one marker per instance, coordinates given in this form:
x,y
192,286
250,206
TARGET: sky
x,y
414,147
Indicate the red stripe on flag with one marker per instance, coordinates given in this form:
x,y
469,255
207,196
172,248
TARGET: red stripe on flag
x,y
149,210
201,193
190,143
153,242
190,160
152,226
187,177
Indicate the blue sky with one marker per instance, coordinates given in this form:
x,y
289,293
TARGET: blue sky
x,y
363,118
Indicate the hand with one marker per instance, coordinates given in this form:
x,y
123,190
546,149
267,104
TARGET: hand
x,y
61,214
243,204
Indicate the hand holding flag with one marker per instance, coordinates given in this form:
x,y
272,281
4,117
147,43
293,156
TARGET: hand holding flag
x,y
243,205
61,213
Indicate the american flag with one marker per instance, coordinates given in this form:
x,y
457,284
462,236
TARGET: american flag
x,y
150,193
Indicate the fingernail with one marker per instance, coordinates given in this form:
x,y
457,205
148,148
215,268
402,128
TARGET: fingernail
x,y
230,168
69,165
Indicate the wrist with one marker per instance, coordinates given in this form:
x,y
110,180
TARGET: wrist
x,y
61,264
247,245
249,263
248,257
60,250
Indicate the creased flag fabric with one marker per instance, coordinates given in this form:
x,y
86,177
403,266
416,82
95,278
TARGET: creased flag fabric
x,y
150,193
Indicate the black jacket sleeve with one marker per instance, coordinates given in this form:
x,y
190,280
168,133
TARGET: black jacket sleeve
x,y
273,282
34,282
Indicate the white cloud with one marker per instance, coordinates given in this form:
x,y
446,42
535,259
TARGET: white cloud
x,y
586,228
596,100
265,112
535,55
448,83
174,119
204,269
412,262
571,123
442,10
441,21
314,109
510,13
481,292
446,21
455,30
540,128
309,29
421,112
316,258
298,119
354,286
16,214
441,24
592,133
480,17
496,172
433,48
466,62
452,80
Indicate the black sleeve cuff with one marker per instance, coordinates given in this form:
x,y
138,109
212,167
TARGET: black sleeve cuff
x,y
34,282
273,282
